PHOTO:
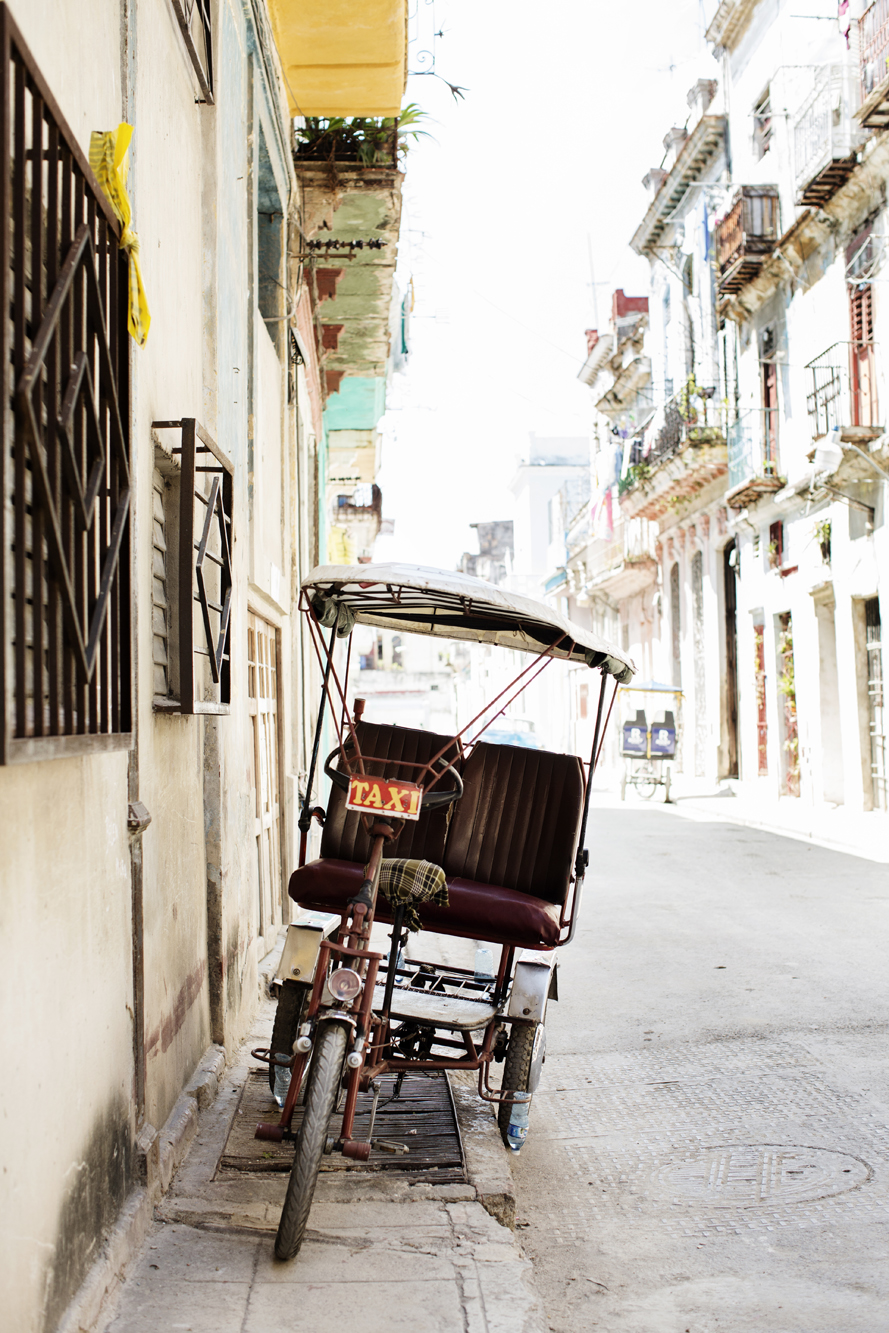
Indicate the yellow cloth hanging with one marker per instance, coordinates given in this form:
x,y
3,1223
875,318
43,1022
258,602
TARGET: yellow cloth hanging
x,y
109,159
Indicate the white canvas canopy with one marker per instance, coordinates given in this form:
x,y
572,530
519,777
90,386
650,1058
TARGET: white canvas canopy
x,y
450,605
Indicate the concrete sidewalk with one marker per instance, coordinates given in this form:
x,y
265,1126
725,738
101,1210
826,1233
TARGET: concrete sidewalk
x,y
384,1252
865,835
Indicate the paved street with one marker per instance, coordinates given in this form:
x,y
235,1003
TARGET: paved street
x,y
709,1148
397,1256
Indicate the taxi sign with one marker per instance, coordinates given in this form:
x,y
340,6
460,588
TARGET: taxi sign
x,y
376,796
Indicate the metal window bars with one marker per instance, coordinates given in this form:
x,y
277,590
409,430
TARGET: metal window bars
x,y
205,570
193,17
843,395
64,513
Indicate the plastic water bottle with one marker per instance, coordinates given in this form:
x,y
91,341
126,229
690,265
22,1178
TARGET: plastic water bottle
x,y
518,1121
484,964
282,1083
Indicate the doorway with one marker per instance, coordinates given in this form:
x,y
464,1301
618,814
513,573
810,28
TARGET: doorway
x,y
832,775
759,678
790,765
730,583
876,703
863,381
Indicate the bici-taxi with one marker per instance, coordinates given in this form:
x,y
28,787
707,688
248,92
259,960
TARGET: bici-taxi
x,y
451,834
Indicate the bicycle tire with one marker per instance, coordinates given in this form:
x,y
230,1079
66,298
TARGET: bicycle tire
x,y
327,1062
516,1070
288,1016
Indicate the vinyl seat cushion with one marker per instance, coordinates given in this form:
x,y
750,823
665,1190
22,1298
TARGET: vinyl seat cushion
x,y
475,911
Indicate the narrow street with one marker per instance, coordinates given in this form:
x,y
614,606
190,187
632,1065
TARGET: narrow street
x,y
709,1146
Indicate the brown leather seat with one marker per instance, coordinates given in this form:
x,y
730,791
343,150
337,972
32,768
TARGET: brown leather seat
x,y
475,911
518,821
508,853
344,835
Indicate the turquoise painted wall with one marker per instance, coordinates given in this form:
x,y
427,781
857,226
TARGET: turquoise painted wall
x,y
358,406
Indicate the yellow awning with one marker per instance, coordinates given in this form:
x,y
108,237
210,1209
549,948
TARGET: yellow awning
x,y
343,57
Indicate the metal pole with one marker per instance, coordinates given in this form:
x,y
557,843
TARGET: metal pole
x,y
305,819
580,863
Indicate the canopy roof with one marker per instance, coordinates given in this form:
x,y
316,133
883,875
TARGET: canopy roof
x,y
449,605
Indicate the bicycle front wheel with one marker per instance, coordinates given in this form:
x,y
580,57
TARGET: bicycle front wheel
x,y
327,1069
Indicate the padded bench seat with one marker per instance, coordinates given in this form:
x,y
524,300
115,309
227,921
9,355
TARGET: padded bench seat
x,y
476,911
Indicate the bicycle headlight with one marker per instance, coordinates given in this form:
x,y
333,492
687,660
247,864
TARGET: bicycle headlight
x,y
344,984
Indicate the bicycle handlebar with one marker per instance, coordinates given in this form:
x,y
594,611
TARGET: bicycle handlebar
x,y
434,800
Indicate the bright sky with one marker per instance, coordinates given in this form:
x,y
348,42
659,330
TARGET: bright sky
x,y
566,108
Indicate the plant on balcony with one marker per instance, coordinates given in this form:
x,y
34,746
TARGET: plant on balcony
x,y
822,537
368,140
637,474
693,402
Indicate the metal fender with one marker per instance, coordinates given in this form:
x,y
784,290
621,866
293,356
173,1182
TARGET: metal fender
x,y
301,946
533,984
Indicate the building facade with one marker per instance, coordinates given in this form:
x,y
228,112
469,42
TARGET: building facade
x,y
163,495
735,540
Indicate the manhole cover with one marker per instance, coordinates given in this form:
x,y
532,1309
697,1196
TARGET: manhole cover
x,y
749,1176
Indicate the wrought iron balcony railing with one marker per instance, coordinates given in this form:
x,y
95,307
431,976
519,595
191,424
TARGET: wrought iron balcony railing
x,y
826,135
843,393
746,235
690,417
753,457
873,54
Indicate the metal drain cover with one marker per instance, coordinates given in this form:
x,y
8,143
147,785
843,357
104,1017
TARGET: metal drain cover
x,y
751,1175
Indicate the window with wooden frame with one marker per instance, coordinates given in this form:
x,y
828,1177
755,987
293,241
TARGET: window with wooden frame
x,y
65,514
262,696
762,124
192,572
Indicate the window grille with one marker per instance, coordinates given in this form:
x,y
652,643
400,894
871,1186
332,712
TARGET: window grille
x,y
160,602
64,517
193,17
203,590
762,124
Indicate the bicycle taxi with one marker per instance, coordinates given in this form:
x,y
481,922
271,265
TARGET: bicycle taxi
x,y
450,834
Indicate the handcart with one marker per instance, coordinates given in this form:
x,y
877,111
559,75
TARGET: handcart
x,y
648,737
478,840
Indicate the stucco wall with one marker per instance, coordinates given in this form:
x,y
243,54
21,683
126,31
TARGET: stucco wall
x,y
68,1100
66,1042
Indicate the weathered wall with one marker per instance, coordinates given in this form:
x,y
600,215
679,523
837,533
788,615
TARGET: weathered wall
x,y
66,1098
197,183
67,1037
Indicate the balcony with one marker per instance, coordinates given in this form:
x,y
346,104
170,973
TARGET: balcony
x,y
683,450
623,565
873,48
843,393
826,136
746,236
753,458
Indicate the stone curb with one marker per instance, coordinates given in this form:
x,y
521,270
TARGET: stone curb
x,y
160,1155
487,1161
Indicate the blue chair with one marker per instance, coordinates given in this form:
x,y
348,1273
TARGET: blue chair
x,y
635,736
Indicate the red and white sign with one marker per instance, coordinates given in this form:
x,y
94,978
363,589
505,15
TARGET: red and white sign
x,y
376,796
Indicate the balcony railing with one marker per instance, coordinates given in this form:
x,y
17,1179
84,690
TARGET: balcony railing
x,y
753,457
843,393
690,417
746,235
682,450
873,47
826,135
623,564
